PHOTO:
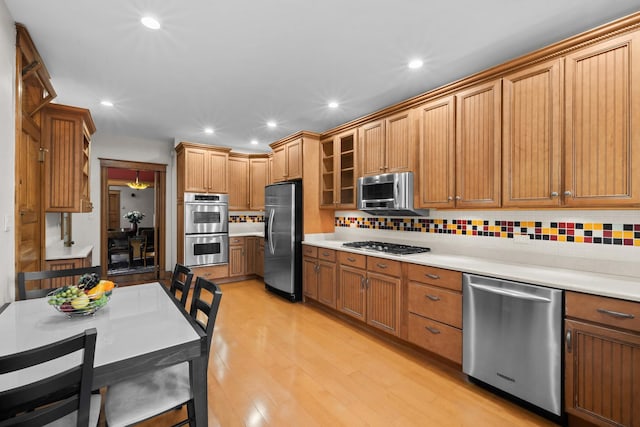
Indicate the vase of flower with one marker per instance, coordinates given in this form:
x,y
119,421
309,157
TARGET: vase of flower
x,y
134,218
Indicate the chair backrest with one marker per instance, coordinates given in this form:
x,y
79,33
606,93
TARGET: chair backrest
x,y
201,307
181,281
29,276
148,232
51,398
136,246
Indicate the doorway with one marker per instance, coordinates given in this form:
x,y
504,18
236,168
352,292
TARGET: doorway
x,y
132,220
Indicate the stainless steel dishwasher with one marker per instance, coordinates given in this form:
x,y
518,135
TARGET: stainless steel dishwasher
x,y
512,338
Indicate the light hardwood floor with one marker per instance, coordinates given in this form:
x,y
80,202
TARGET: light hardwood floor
x,y
274,363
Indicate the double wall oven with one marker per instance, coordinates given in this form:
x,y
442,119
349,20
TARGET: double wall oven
x,y
206,229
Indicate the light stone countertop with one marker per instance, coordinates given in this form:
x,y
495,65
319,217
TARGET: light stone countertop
x,y
247,234
55,252
623,287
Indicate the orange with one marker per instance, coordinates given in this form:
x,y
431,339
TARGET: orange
x,y
107,285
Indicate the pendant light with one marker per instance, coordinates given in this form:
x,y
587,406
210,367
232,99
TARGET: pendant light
x,y
137,185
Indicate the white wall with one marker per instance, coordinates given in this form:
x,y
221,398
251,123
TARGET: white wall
x,y
7,147
136,200
86,227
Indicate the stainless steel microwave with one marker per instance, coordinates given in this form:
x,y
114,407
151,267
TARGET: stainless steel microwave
x,y
389,194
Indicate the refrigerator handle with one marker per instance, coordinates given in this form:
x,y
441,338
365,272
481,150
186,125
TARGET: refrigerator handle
x,y
266,228
271,219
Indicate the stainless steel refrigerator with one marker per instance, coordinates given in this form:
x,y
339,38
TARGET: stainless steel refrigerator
x,y
283,239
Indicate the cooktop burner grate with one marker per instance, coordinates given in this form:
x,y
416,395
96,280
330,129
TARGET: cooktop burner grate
x,y
390,248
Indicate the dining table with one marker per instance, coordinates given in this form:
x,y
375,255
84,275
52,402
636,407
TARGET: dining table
x,y
142,328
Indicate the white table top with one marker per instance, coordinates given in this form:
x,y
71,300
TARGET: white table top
x,y
138,320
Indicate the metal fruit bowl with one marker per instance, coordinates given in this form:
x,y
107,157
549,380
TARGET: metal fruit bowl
x,y
74,301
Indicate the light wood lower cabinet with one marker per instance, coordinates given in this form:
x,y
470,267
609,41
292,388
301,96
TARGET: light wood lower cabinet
x,y
65,264
319,275
369,289
602,360
435,310
237,256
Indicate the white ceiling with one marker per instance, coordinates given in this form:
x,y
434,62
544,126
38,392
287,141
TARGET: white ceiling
x,y
233,65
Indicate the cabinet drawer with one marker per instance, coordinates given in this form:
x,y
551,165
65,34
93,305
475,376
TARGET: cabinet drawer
x,y
327,254
436,337
436,303
436,276
608,311
354,260
310,251
235,241
384,266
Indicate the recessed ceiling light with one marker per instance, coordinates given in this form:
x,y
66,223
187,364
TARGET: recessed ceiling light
x,y
208,130
150,22
106,103
254,142
272,124
333,104
415,63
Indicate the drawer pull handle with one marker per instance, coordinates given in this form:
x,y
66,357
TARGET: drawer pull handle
x,y
432,276
568,338
616,314
433,297
381,265
351,259
325,253
432,330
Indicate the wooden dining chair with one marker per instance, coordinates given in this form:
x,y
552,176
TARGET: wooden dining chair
x,y
61,399
181,282
152,394
71,276
136,249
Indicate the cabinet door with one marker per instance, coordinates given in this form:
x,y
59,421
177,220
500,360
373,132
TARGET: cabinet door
x,y
218,172
310,277
328,183
531,133
602,119
62,264
602,379
345,148
327,283
238,183
372,148
252,250
294,159
352,295
383,302
260,258
437,147
278,164
400,146
196,170
478,146
258,178
237,257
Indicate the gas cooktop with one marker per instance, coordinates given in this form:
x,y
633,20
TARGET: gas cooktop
x,y
390,248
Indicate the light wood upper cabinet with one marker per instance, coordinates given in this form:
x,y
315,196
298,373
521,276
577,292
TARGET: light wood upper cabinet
x,y
478,147
602,124
258,178
287,161
66,140
388,145
337,171
437,158
202,169
531,133
238,182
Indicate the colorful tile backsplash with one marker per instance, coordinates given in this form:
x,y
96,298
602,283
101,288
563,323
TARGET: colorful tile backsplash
x,y
577,232
237,219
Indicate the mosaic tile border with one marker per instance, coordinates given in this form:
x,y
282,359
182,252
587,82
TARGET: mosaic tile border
x,y
576,232
237,219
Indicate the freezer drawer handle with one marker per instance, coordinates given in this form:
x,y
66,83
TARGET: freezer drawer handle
x,y
510,293
432,330
433,297
432,276
616,314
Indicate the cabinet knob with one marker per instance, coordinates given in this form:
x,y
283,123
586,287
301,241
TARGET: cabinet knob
x,y
568,193
458,197
450,198
554,194
381,168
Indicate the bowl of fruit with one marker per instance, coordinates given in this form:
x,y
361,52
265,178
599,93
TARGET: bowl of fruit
x,y
83,299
